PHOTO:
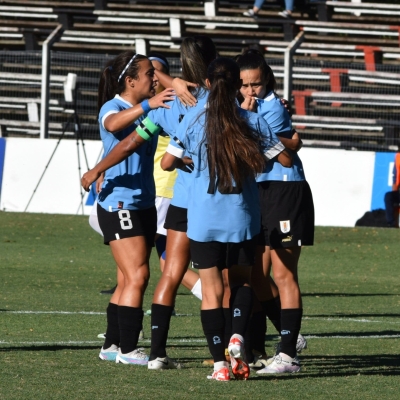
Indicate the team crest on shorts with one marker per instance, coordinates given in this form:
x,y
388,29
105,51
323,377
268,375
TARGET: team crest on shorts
x,y
285,226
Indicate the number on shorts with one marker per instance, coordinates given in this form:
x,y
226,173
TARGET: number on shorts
x,y
125,217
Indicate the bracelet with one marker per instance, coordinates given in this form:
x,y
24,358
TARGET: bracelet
x,y
146,106
147,129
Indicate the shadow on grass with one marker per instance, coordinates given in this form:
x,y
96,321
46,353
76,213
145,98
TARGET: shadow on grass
x,y
338,294
319,366
352,334
338,315
48,348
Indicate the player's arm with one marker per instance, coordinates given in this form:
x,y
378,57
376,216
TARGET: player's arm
x,y
294,143
118,121
174,157
285,158
170,162
144,132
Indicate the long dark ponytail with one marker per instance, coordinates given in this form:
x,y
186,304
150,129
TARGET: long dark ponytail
x,y
233,148
112,79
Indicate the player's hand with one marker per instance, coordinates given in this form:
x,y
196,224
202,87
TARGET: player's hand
x,y
186,164
88,178
287,106
99,183
181,88
159,99
249,103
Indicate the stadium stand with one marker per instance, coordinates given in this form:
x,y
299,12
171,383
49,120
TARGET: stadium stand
x,y
350,53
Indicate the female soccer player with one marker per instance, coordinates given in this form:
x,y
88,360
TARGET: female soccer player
x,y
126,210
196,53
224,142
165,181
287,215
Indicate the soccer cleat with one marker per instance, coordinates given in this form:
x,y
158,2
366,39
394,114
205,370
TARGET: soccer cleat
x,y
109,354
221,372
164,363
240,368
101,335
281,364
259,362
135,357
301,344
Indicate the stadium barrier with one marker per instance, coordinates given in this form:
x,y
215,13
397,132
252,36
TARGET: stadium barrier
x,y
345,184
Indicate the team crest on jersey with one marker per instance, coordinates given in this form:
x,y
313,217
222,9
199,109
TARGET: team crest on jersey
x,y
285,226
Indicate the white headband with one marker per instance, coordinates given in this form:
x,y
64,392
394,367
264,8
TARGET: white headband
x,y
127,66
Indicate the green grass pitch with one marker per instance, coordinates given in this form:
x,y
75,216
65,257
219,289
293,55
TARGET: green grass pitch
x,y
54,266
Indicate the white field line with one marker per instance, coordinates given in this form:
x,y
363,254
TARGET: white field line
x,y
73,313
177,341
334,319
367,321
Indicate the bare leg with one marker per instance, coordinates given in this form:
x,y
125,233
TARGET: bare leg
x,y
178,257
132,257
284,266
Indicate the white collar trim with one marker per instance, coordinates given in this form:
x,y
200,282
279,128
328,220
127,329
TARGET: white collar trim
x,y
117,96
270,96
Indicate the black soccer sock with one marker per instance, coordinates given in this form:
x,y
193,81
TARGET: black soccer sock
x,y
160,319
130,324
272,309
213,327
228,326
291,324
258,327
248,344
112,332
241,305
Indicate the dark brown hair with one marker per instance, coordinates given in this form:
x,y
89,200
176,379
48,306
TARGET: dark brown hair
x,y
111,82
253,59
197,53
233,147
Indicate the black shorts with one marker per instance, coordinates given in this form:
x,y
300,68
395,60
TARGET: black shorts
x,y
123,224
287,214
176,219
222,255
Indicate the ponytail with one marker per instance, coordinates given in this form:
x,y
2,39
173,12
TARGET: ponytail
x,y
233,148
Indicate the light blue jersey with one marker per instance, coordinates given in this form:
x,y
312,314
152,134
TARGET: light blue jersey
x,y
278,118
129,184
213,216
169,120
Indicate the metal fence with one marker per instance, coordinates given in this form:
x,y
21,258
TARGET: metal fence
x,y
335,104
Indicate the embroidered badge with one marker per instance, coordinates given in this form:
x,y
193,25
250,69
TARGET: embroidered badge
x,y
285,226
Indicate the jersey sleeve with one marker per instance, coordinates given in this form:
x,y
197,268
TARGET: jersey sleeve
x,y
108,108
168,118
279,121
271,145
179,141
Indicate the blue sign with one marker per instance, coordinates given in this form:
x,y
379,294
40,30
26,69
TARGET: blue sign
x,y
383,178
2,156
